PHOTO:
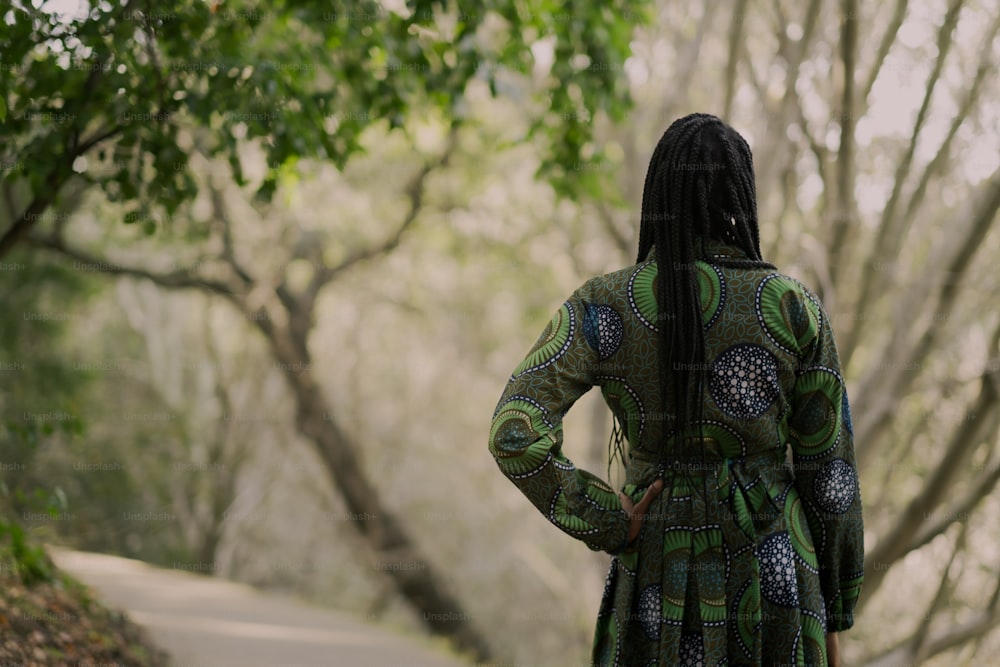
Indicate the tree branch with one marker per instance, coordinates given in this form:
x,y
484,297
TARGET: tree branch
x,y
221,216
887,223
773,156
961,634
843,219
690,59
33,213
960,510
607,220
736,29
985,68
888,383
54,182
921,646
884,46
755,81
98,137
917,648
893,545
173,280
415,194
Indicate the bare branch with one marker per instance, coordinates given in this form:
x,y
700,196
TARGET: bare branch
x,y
180,279
98,137
900,453
54,182
961,634
773,157
893,545
221,216
982,216
920,645
686,64
737,27
887,224
607,219
808,31
959,510
984,69
755,81
884,46
843,219
415,193
33,213
918,642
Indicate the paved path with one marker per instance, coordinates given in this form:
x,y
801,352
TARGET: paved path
x,y
207,622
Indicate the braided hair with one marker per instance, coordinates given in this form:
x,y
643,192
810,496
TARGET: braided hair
x,y
699,185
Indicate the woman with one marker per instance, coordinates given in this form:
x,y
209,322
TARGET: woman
x,y
737,539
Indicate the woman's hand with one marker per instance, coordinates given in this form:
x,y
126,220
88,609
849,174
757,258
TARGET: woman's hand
x,y
832,649
637,511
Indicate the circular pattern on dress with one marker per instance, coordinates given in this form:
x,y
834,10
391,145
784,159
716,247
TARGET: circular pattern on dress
x,y
717,438
835,486
553,343
603,329
816,412
600,492
746,615
744,381
812,640
798,530
513,430
710,567
786,313
712,292
795,656
677,544
642,294
649,610
691,652
560,515
777,571
624,400
514,437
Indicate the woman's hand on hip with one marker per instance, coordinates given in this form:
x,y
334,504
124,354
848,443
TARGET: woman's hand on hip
x,y
637,511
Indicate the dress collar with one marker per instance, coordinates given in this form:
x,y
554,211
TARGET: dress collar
x,y
709,249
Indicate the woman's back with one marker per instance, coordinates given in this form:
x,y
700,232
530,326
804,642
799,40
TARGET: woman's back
x,y
753,552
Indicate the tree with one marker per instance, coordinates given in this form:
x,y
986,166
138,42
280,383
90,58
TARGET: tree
x,y
894,223
117,98
104,96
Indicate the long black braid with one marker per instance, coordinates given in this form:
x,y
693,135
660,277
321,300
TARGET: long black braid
x,y
700,184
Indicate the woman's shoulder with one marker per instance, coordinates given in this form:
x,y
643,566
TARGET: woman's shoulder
x,y
616,284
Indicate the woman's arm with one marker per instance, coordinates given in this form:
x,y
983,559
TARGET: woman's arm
x,y
826,473
526,437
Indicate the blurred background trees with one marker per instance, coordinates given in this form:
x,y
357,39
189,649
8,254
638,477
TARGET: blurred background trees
x,y
351,224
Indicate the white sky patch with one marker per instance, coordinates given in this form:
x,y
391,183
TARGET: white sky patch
x,y
67,9
543,51
637,71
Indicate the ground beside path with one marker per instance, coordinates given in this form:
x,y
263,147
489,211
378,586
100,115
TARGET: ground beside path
x,y
207,622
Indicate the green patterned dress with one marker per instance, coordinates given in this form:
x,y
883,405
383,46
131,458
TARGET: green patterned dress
x,y
756,552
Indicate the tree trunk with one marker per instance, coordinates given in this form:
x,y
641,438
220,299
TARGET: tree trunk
x,y
395,552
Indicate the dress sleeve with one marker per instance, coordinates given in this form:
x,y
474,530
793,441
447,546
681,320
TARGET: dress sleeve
x,y
825,470
526,436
